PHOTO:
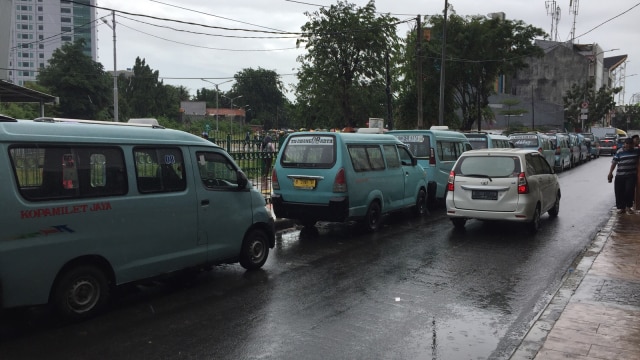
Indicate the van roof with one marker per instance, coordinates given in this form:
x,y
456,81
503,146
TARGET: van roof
x,y
350,137
91,131
439,133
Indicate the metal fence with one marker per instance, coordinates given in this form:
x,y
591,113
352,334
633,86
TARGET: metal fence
x,y
256,163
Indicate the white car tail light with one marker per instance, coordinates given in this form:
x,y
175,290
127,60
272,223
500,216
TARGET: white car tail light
x,y
450,182
523,185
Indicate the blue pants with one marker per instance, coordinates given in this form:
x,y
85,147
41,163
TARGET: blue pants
x,y
624,187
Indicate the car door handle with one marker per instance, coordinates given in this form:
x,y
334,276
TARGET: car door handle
x,y
204,202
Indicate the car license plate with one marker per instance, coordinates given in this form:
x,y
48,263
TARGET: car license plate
x,y
484,195
304,183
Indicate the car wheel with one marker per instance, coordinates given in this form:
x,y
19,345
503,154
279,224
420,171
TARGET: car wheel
x,y
80,292
553,212
534,225
458,223
373,216
255,249
421,204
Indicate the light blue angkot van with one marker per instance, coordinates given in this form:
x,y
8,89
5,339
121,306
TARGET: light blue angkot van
x,y
90,205
326,176
437,151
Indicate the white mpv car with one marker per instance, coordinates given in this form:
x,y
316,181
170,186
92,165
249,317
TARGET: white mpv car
x,y
502,184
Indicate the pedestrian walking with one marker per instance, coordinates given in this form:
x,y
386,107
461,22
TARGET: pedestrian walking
x,y
267,153
626,161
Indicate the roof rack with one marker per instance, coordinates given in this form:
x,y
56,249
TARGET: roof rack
x,y
96,122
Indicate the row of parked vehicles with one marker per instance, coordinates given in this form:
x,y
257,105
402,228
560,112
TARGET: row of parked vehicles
x,y
562,150
337,177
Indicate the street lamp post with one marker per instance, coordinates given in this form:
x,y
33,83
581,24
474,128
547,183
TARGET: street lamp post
x,y
217,92
231,120
115,68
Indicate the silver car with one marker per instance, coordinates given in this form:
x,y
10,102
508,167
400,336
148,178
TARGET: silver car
x,y
502,184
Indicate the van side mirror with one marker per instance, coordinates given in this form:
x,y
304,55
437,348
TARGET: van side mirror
x,y
242,180
414,161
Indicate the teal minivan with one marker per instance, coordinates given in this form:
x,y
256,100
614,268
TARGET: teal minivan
x,y
336,177
437,151
90,205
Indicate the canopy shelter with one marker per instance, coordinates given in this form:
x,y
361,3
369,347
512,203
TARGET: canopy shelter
x,y
10,92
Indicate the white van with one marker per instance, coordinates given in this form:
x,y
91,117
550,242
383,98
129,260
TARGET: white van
x,y
326,176
90,205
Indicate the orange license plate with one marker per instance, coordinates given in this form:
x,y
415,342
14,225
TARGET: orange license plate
x,y
304,183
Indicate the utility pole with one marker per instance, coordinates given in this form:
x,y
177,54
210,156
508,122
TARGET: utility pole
x,y
419,68
115,66
388,91
444,46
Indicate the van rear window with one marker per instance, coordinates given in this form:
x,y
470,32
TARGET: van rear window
x,y
419,145
309,151
524,141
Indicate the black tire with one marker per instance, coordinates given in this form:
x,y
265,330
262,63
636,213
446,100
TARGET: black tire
x,y
373,217
534,224
459,223
553,212
81,292
421,204
255,250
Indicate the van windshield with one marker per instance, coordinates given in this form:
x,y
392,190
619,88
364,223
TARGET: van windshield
x,y
317,151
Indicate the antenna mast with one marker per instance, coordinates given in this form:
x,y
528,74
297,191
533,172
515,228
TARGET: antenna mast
x,y
573,9
554,11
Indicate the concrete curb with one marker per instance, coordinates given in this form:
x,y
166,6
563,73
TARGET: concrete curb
x,y
546,319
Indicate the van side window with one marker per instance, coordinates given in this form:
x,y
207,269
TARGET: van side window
x,y
391,154
159,169
366,157
449,150
405,156
216,171
54,172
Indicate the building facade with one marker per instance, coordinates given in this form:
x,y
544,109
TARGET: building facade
x,y
36,28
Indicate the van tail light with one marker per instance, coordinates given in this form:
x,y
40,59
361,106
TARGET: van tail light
x,y
340,182
523,185
614,147
432,157
540,150
274,180
558,150
450,182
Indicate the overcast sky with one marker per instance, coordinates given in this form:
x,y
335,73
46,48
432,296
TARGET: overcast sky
x,y
184,57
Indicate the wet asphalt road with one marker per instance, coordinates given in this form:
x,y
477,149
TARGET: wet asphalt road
x,y
417,289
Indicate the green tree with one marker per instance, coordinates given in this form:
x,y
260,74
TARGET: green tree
x,y
478,50
600,102
141,92
341,77
263,91
82,85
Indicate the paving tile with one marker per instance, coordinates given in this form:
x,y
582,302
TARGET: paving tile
x,y
566,346
607,352
547,354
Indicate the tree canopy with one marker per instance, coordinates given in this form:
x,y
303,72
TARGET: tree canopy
x,y
600,102
81,83
478,51
341,77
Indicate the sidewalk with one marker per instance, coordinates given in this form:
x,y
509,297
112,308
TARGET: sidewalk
x,y
596,312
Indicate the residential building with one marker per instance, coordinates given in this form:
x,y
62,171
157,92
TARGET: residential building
x,y
36,28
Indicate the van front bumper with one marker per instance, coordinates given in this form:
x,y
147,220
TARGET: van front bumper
x,y
337,210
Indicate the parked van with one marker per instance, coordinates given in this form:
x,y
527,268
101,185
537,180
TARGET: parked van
x,y
484,140
560,142
326,176
537,141
89,205
437,151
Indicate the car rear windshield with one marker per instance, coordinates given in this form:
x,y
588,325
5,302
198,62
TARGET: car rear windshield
x,y
492,166
309,151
